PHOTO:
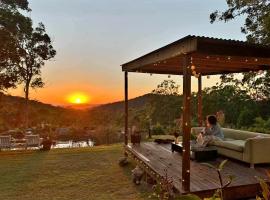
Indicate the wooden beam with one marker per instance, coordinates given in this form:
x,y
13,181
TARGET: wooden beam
x,y
200,116
186,45
186,123
230,60
126,108
229,47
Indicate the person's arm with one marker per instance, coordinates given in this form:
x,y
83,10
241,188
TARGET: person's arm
x,y
217,131
208,131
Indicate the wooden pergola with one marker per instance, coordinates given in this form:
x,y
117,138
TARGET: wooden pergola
x,y
197,56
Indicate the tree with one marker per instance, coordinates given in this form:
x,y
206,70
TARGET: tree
x,y
167,87
13,25
229,98
257,30
257,18
37,48
165,104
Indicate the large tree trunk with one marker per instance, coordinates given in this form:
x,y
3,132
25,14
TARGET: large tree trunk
x,y
26,91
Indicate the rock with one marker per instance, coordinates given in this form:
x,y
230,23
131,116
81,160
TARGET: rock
x,y
123,161
137,174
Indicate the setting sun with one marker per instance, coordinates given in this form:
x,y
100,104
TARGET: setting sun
x,y
78,98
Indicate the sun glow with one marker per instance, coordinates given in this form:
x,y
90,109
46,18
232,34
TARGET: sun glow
x,y
78,98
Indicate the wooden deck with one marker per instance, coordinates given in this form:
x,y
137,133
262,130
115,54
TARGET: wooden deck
x,y
155,159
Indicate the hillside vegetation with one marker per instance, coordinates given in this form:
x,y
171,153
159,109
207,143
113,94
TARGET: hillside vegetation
x,y
158,112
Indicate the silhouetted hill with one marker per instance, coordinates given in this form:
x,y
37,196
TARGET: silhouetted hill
x,y
81,106
161,109
135,103
8,100
12,113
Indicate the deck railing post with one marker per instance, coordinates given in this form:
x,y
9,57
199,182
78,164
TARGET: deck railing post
x,y
186,123
200,117
126,108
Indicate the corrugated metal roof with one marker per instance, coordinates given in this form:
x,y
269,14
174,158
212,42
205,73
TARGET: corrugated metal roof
x,y
204,38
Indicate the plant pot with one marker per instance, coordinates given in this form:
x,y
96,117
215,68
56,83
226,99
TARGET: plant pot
x,y
46,145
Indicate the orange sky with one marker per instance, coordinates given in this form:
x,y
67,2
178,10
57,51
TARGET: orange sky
x,y
93,38
139,84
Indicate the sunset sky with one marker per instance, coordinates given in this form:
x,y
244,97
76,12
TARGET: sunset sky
x,y
94,37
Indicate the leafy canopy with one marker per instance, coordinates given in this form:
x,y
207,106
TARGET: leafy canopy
x,y
13,26
257,18
257,30
36,49
167,87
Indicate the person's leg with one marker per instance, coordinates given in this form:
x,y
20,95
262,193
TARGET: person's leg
x,y
207,139
200,140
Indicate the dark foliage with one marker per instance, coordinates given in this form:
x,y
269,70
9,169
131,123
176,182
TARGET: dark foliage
x,y
257,30
13,25
257,18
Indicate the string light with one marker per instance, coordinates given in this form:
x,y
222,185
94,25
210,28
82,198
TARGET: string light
x,y
193,68
260,72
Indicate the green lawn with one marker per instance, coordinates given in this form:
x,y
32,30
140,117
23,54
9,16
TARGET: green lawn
x,y
86,173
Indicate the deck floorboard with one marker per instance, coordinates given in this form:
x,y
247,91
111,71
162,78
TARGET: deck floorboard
x,y
204,180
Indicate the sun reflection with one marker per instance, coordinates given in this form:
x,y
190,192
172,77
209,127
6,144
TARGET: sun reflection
x,y
78,98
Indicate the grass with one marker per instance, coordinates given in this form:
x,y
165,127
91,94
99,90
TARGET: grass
x,y
86,173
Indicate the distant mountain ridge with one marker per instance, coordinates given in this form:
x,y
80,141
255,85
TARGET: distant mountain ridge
x,y
137,102
81,106
5,98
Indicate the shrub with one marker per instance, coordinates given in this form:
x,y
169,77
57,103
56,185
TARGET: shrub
x,y
261,125
246,118
158,129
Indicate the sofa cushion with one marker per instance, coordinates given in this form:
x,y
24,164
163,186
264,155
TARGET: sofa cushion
x,y
236,145
239,134
228,139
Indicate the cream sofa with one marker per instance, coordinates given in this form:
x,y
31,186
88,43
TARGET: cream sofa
x,y
250,147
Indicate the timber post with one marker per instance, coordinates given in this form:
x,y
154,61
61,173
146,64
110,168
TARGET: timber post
x,y
186,122
126,108
200,117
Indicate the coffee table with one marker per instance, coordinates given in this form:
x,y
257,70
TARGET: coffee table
x,y
201,154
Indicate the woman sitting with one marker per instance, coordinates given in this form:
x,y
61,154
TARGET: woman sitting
x,y
211,132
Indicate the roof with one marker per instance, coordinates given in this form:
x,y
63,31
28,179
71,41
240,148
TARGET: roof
x,y
208,55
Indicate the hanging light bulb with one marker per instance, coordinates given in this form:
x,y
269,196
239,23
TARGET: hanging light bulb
x,y
260,72
197,75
